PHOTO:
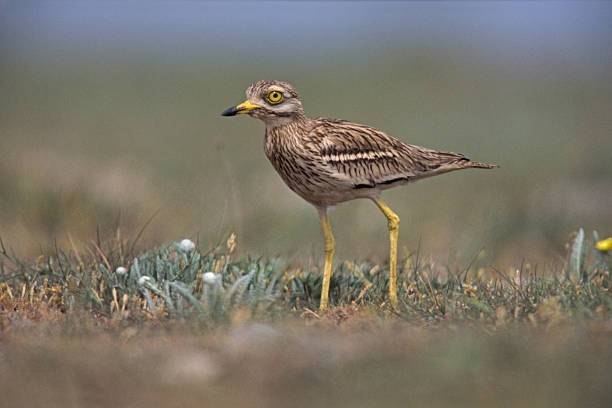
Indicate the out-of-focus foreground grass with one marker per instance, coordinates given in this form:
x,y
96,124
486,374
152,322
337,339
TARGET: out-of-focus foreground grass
x,y
361,363
100,128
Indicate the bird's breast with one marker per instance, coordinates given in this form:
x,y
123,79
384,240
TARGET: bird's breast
x,y
303,171
288,158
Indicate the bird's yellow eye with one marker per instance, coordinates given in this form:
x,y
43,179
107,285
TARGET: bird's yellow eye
x,y
275,97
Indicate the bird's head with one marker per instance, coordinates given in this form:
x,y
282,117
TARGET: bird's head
x,y
274,102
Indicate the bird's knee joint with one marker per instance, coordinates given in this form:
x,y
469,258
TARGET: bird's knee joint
x,y
393,222
330,246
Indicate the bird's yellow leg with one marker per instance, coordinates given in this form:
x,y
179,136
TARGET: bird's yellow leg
x,y
330,246
393,224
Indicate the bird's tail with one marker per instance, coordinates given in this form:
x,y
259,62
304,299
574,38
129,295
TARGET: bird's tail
x,y
470,164
458,164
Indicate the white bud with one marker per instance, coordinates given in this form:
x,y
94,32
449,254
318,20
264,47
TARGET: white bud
x,y
121,271
210,278
144,279
187,245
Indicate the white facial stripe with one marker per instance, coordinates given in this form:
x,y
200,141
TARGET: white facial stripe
x,y
284,107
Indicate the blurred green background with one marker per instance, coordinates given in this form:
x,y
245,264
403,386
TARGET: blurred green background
x,y
110,112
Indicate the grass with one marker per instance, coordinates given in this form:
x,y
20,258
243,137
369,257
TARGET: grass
x,y
462,336
168,282
161,332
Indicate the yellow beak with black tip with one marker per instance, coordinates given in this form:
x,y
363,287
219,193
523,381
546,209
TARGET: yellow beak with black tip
x,y
244,107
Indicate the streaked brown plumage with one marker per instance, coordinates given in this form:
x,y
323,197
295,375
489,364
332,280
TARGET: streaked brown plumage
x,y
329,161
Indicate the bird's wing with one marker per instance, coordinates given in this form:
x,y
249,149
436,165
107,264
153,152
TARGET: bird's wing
x,y
369,157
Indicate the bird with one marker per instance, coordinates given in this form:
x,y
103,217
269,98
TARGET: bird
x,y
330,161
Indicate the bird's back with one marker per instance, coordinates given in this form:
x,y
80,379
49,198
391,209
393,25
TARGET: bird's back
x,y
376,159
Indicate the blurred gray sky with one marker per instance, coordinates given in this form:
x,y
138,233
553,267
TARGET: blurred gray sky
x,y
577,33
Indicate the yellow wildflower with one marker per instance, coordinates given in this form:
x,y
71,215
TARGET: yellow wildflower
x,y
605,244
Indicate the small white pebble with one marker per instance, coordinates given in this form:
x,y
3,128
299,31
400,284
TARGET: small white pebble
x,y
209,278
144,279
121,270
187,245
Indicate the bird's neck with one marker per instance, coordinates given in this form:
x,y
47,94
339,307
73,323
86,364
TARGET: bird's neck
x,y
282,133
